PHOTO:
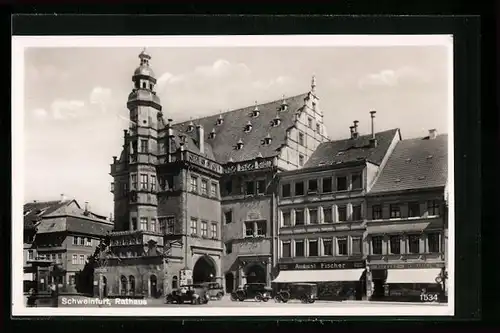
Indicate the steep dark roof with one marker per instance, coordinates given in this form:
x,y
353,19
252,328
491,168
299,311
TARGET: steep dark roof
x,y
232,129
349,150
415,164
37,210
74,224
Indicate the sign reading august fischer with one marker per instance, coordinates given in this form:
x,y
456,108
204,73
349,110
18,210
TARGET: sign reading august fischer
x,y
322,265
407,265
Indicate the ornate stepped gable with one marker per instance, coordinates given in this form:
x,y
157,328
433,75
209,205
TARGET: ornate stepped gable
x,y
222,146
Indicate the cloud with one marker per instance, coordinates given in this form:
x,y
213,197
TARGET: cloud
x,y
40,113
101,97
45,73
219,86
392,78
64,109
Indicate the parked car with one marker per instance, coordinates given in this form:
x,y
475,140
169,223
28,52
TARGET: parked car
x,y
305,292
194,294
256,291
215,290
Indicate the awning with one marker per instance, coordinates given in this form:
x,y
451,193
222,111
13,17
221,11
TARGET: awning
x,y
415,275
28,276
319,275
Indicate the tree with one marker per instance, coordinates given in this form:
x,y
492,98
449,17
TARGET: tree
x,y
85,278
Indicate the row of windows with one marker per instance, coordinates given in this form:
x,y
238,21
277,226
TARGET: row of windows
x,y
313,215
57,257
144,224
204,187
203,228
324,185
256,229
322,247
412,244
414,210
78,259
82,241
146,182
250,187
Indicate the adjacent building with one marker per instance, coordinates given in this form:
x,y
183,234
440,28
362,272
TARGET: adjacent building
x,y
406,229
62,236
322,213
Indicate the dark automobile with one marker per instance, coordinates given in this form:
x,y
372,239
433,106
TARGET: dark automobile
x,y
194,294
214,289
256,291
305,292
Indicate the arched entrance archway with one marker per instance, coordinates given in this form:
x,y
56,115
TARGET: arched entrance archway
x,y
204,270
123,285
153,286
229,277
256,274
131,280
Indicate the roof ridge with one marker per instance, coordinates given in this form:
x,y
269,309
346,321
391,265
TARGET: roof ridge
x,y
239,109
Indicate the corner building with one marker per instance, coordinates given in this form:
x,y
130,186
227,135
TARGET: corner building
x,y
195,201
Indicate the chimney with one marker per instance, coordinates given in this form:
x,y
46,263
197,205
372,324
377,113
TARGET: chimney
x,y
111,217
201,138
63,198
351,128
114,159
86,207
373,140
34,201
355,129
432,134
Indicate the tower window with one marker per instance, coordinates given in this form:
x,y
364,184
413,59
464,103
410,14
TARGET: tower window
x,y
144,181
310,122
144,146
301,138
143,85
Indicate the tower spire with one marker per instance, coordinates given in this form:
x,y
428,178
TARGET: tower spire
x,y
313,84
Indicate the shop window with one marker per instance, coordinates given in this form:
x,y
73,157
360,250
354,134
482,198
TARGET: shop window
x,y
376,212
377,244
395,244
413,209
299,248
327,247
342,183
286,190
299,188
414,244
299,217
313,248
327,184
395,210
286,250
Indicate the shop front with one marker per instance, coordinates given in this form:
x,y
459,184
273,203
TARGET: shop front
x,y
406,282
335,280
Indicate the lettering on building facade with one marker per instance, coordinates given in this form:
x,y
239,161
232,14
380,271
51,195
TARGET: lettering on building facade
x,y
249,166
198,160
322,265
407,265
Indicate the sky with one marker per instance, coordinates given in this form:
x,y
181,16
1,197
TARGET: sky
x,y
75,99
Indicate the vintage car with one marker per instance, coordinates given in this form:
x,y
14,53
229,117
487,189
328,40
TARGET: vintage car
x,y
256,291
305,292
194,294
214,289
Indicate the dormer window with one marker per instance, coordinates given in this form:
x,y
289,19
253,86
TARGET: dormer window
x,y
220,120
267,140
284,104
256,111
248,127
190,127
276,121
239,145
211,135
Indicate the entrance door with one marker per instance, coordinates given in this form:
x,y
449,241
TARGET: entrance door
x,y
229,282
153,284
204,270
256,274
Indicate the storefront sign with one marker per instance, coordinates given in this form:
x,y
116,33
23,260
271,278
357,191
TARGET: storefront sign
x,y
407,265
322,265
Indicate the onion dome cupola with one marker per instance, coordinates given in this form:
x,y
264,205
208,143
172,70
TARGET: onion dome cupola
x,y
144,81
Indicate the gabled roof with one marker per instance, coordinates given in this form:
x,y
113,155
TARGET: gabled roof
x,y
34,211
74,224
415,164
232,129
350,150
